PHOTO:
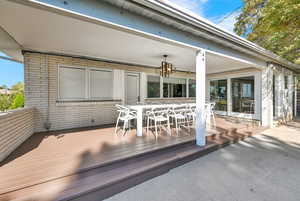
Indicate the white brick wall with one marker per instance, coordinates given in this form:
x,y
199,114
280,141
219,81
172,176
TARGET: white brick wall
x,y
41,92
15,127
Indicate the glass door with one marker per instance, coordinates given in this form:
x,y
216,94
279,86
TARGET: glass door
x,y
218,94
242,93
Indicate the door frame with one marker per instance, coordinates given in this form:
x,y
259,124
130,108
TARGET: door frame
x,y
138,84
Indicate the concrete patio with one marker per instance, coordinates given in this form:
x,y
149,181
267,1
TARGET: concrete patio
x,y
263,167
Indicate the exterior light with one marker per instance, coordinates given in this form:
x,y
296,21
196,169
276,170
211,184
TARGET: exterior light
x,y
166,68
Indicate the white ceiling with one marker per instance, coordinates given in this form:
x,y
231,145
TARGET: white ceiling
x,y
44,31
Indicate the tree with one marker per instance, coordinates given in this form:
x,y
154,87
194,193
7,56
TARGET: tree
x,y
5,102
3,87
272,24
19,87
18,101
14,100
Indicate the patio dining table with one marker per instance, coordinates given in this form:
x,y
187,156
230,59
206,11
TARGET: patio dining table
x,y
141,107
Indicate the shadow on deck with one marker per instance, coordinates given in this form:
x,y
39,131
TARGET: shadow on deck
x,y
49,165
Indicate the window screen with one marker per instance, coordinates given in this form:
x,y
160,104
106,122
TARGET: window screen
x,y
101,83
192,88
72,83
174,87
153,86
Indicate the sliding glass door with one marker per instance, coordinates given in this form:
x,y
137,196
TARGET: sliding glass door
x,y
218,94
242,94
236,95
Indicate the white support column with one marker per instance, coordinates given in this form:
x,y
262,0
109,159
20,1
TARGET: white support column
x,y
143,87
267,96
200,97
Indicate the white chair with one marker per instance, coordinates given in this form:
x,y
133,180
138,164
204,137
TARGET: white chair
x,y
125,115
210,115
178,113
158,115
191,113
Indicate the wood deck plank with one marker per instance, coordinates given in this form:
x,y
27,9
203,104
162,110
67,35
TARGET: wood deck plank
x,y
45,157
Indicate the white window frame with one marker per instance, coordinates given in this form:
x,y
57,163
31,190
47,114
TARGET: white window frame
x,y
220,112
175,77
257,94
87,82
89,69
188,88
161,86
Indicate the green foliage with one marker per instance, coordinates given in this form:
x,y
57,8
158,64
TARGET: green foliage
x,y
18,87
5,102
14,100
273,24
18,101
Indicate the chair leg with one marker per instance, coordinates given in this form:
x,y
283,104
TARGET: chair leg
x,y
129,125
214,120
176,124
124,127
169,128
156,134
159,124
117,126
188,124
147,125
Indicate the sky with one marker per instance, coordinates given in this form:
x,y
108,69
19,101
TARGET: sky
x,y
220,12
10,72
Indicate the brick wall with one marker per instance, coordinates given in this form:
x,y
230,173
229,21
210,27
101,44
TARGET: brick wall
x,y
15,127
41,84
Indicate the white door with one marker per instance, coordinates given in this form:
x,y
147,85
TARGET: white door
x,y
132,88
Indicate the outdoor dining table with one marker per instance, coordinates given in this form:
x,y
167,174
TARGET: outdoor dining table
x,y
139,111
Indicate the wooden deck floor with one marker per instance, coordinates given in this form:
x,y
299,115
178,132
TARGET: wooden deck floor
x,y
48,156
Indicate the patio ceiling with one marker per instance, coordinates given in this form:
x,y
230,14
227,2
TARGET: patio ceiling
x,y
44,31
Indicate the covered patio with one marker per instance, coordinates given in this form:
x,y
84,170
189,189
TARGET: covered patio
x,y
78,67
46,158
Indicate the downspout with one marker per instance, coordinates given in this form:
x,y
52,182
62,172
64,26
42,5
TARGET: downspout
x,y
47,124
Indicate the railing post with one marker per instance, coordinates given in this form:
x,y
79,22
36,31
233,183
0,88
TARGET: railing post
x,y
200,97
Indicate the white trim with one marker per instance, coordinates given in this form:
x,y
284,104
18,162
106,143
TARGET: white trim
x,y
257,94
161,86
87,81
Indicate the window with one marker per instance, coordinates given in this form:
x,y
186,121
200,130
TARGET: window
x,y
174,87
72,83
218,94
99,82
242,90
192,88
85,84
153,86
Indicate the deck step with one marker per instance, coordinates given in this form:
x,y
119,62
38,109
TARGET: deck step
x,y
102,182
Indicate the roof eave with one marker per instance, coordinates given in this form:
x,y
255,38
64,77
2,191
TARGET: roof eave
x,y
195,20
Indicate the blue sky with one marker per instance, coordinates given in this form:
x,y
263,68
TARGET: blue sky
x,y
10,72
221,12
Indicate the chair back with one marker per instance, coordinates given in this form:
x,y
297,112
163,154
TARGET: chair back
x,y
191,108
178,109
158,111
123,110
